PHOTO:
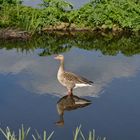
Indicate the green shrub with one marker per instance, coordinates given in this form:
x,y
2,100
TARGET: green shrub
x,y
11,1
103,14
124,14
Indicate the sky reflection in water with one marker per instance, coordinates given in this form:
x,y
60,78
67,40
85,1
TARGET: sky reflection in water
x,y
76,3
27,81
38,74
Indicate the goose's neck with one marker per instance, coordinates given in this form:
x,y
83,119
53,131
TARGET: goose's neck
x,y
61,68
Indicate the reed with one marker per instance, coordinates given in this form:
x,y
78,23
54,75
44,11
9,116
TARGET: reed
x,y
78,135
24,134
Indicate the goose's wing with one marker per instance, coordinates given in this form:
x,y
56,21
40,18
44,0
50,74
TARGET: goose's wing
x,y
76,78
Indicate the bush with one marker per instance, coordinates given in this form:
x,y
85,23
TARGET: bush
x,y
110,13
103,14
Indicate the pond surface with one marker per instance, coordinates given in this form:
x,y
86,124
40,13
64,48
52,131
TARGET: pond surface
x,y
76,3
30,90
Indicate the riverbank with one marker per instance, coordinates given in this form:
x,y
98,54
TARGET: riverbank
x,y
18,34
9,33
22,22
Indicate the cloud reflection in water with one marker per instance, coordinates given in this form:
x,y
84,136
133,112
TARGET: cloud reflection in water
x,y
38,74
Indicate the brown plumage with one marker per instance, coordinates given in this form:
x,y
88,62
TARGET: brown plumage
x,y
68,79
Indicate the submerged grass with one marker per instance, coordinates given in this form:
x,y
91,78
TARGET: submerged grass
x,y
24,134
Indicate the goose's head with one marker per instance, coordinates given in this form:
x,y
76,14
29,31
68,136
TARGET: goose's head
x,y
59,57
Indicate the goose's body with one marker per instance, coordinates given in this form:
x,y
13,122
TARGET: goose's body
x,y
68,79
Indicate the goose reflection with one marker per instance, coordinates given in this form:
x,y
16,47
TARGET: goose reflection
x,y
68,103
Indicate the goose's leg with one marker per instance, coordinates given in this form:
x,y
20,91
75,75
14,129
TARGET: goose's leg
x,y
61,121
70,92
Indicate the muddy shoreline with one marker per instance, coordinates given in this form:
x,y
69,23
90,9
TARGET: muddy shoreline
x,y
17,34
9,33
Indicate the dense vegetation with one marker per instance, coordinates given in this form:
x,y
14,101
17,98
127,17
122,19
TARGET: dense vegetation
x,y
97,14
110,14
55,44
11,1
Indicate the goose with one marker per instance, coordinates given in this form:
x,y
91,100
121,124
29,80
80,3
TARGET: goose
x,y
69,79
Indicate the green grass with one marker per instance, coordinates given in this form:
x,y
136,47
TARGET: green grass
x,y
78,135
24,134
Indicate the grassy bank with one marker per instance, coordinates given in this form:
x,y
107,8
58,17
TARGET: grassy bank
x,y
25,134
60,15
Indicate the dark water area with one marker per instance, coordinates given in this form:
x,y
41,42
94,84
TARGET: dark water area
x,y
30,89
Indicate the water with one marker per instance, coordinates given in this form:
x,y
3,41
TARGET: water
x,y
76,3
30,90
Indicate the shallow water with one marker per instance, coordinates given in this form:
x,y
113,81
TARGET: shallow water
x,y
30,90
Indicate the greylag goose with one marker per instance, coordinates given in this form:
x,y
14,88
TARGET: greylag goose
x,y
68,79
